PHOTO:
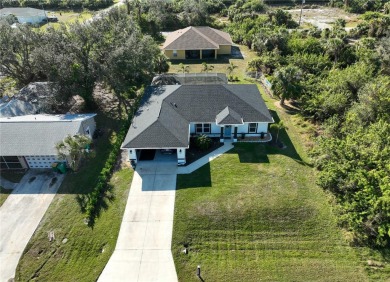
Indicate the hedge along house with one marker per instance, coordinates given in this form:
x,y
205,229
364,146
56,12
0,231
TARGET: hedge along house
x,y
197,43
30,141
25,15
169,115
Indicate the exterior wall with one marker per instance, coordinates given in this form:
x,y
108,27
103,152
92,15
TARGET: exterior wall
x,y
88,124
215,129
243,128
181,156
225,49
181,54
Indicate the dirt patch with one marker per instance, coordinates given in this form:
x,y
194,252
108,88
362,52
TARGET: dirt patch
x,y
323,18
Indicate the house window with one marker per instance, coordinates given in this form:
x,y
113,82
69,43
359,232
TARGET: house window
x,y
203,128
206,128
252,127
175,53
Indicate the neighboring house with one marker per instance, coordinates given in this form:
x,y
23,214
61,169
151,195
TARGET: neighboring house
x,y
169,115
200,42
30,141
25,15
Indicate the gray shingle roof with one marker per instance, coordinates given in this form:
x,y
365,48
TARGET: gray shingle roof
x,y
25,135
163,118
229,116
196,38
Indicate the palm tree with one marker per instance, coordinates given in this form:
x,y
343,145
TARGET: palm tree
x,y
73,148
231,68
278,126
286,83
206,68
184,68
334,47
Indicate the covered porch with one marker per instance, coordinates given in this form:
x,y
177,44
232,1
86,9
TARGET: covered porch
x,y
157,154
201,54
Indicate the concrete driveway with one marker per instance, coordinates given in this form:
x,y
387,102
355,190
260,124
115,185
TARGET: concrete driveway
x,y
20,215
143,249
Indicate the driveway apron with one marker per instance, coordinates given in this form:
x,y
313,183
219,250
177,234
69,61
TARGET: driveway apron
x,y
20,215
143,250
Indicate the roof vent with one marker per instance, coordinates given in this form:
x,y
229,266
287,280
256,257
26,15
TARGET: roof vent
x,y
175,105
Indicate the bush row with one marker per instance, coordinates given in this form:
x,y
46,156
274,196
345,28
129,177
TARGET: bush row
x,y
95,198
53,4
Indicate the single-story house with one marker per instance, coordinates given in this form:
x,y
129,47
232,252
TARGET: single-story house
x,y
25,15
30,141
170,114
197,42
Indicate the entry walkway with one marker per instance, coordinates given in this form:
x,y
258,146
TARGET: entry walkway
x,y
20,215
143,249
206,159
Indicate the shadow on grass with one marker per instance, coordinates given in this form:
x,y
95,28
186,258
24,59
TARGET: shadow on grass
x,y
199,178
222,59
289,149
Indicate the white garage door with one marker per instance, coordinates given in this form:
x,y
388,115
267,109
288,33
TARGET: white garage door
x,y
41,161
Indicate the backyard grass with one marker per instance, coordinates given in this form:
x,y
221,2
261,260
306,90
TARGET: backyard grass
x,y
220,64
67,17
78,253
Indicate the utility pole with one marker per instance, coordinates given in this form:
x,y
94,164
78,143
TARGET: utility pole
x,y
300,16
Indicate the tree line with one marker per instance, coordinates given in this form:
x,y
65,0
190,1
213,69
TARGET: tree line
x,y
341,83
111,50
57,4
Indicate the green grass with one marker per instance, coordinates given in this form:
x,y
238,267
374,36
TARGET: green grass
x,y
220,64
4,193
87,250
68,17
253,214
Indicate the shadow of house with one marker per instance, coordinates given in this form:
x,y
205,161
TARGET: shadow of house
x,y
199,178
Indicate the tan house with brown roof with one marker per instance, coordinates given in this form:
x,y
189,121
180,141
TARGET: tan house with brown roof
x,y
200,42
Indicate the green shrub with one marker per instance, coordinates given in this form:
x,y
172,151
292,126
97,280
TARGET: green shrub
x,y
203,142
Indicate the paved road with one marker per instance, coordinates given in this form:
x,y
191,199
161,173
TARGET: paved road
x,y
20,215
143,249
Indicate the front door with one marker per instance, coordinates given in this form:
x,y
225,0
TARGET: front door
x,y
228,131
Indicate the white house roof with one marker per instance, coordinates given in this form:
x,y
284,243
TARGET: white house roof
x,y
22,12
37,134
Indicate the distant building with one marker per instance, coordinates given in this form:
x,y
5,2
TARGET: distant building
x,y
25,15
197,42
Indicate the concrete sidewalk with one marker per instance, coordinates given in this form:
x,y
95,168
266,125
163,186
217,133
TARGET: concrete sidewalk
x,y
20,215
206,159
143,249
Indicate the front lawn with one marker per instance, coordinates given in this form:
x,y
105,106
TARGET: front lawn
x,y
255,214
79,252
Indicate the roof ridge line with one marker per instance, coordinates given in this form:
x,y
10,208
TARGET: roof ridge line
x,y
204,36
243,99
170,132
